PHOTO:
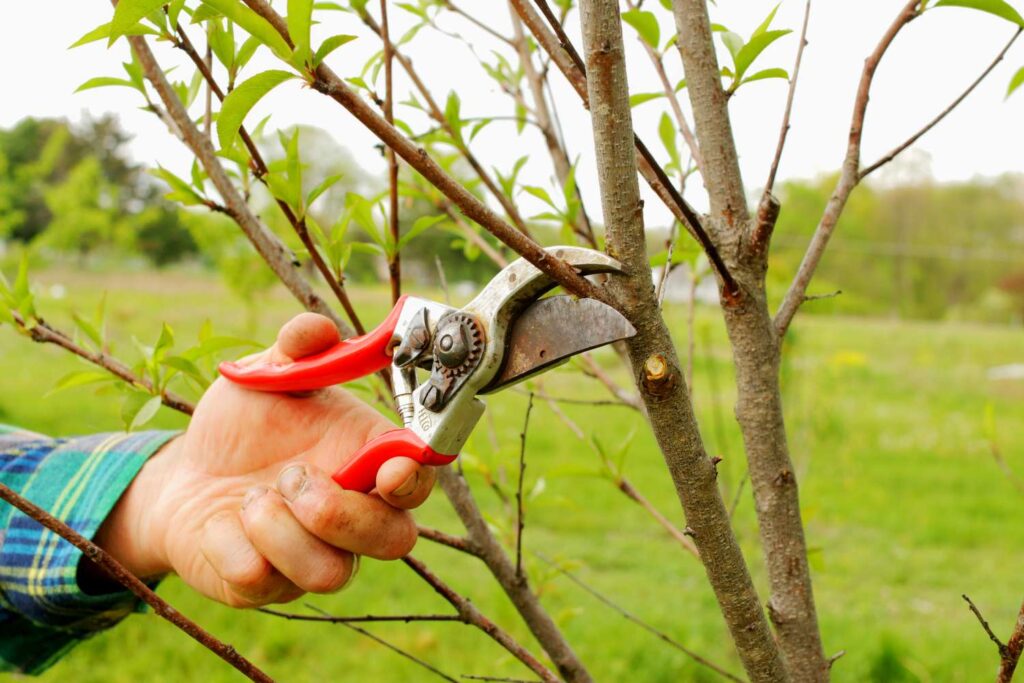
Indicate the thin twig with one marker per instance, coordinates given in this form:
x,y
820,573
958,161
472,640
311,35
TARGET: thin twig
x,y
119,573
738,496
893,153
677,535
784,129
640,622
368,618
455,542
394,259
476,22
394,648
1000,645
473,616
495,679
436,113
520,514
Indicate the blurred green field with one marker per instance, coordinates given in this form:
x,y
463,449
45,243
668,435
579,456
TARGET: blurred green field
x,y
891,425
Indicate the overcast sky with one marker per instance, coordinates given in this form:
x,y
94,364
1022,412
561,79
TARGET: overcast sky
x,y
931,62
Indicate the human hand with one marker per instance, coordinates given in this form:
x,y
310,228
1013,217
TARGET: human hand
x,y
242,505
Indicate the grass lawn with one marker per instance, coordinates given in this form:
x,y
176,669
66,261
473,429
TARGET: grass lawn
x,y
891,425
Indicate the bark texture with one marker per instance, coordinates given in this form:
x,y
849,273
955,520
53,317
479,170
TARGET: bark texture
x,y
652,354
755,355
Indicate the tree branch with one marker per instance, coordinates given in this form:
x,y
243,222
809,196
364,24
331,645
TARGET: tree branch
x,y
43,333
435,112
568,61
768,210
1010,651
473,616
369,618
651,351
893,153
260,170
277,256
395,259
556,147
848,178
629,616
520,516
117,572
455,542
516,586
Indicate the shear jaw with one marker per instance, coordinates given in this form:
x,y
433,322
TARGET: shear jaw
x,y
468,347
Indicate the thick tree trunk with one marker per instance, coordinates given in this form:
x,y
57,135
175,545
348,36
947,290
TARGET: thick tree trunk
x,y
755,353
652,354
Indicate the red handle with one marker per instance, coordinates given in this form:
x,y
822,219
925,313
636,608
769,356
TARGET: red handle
x,y
343,362
360,473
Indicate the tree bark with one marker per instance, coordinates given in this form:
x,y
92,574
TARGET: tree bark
x,y
755,354
652,354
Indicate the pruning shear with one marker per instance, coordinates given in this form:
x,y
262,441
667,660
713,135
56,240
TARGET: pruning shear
x,y
504,335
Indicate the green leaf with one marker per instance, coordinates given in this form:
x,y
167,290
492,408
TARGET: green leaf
x,y
422,224
253,24
541,194
667,132
733,42
646,24
322,187
641,97
104,82
1000,8
329,46
767,73
452,114
766,23
165,341
88,329
242,99
300,18
180,190
80,378
188,368
103,31
1016,81
136,417
749,52
128,13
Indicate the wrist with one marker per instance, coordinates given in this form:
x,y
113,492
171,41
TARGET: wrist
x,y
134,533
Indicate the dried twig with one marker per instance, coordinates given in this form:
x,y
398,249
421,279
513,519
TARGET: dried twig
x,y
117,572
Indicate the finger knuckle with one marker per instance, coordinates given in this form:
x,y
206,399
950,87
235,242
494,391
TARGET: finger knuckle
x,y
401,539
329,576
250,574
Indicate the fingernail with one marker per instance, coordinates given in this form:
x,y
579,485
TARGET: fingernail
x,y
408,486
292,481
252,494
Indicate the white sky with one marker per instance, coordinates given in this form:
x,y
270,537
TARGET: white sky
x,y
931,62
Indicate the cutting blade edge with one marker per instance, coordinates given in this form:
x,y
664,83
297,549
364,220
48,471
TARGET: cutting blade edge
x,y
552,330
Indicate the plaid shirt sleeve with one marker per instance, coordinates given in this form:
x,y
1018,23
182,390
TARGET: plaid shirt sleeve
x,y
43,611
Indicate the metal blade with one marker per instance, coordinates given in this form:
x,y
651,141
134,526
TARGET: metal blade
x,y
552,330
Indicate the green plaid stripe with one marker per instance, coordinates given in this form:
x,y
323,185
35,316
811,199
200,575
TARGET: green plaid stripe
x,y
43,612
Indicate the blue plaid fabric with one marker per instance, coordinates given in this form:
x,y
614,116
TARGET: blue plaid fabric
x,y
43,611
